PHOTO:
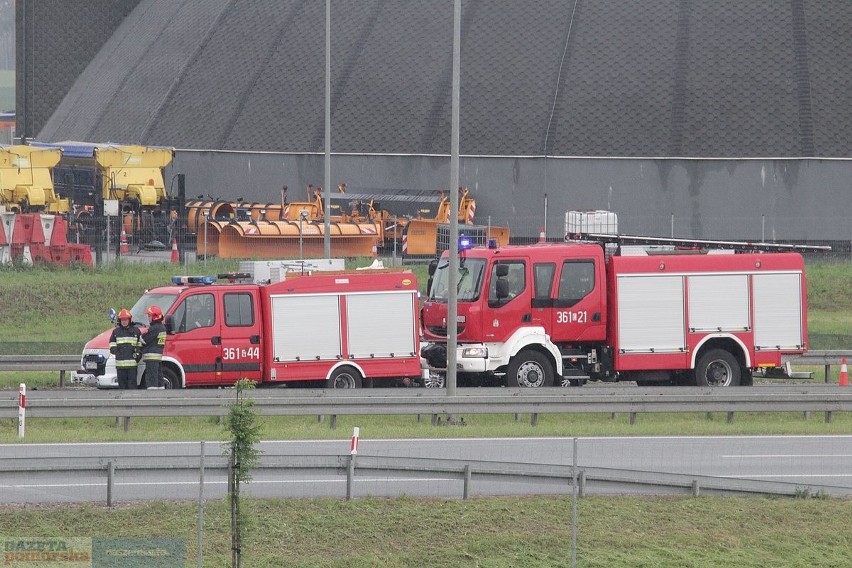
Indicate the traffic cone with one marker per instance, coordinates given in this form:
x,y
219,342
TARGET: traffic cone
x,y
844,375
542,238
123,246
175,256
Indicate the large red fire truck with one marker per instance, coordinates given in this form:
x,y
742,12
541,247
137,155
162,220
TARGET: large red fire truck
x,y
332,330
565,313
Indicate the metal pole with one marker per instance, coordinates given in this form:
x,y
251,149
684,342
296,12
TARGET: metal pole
x,y
110,475
452,308
672,225
200,505
574,507
545,215
327,182
205,238
301,256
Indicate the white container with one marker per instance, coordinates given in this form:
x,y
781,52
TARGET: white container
x,y
263,271
585,222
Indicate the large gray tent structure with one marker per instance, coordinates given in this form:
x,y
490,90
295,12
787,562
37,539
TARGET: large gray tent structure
x,y
725,119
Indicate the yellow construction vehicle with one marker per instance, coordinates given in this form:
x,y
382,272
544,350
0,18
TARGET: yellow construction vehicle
x,y
88,174
26,185
428,237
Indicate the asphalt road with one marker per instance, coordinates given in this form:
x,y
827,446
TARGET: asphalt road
x,y
807,460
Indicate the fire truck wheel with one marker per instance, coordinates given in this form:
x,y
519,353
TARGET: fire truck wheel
x,y
344,378
435,380
529,369
717,368
169,378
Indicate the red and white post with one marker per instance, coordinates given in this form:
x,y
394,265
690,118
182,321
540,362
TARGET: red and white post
x,y
353,447
22,409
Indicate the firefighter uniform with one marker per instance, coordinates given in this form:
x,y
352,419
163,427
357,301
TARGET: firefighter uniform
x,y
153,343
125,343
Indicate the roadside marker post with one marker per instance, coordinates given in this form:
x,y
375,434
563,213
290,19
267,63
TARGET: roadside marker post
x,y
22,409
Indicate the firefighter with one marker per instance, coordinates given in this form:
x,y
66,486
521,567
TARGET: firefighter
x,y
153,343
124,343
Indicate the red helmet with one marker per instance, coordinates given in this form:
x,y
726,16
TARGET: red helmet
x,y
155,313
125,314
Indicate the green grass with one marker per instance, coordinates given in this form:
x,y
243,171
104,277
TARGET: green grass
x,y
43,430
613,532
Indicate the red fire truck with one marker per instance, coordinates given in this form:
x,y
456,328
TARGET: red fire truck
x,y
565,313
332,330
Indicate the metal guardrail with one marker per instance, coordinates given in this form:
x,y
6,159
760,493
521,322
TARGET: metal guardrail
x,y
417,401
588,479
61,363
825,358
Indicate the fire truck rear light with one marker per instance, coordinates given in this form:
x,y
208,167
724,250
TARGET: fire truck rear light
x,y
475,352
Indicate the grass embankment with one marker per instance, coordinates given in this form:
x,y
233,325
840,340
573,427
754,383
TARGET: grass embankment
x,y
613,532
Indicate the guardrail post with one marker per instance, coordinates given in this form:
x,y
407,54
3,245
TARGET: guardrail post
x,y
730,417
126,423
350,478
632,418
62,378
534,419
827,372
517,417
200,505
695,488
581,483
333,421
467,478
110,476
435,420
828,417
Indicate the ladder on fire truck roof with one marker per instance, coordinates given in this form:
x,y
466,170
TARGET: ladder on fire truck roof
x,y
737,246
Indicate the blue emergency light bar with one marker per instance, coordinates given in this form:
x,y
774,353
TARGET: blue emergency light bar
x,y
465,243
179,280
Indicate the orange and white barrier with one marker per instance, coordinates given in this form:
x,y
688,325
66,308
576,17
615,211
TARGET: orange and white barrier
x,y
844,374
353,446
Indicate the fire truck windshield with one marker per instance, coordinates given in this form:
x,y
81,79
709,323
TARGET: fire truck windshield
x,y
163,301
471,272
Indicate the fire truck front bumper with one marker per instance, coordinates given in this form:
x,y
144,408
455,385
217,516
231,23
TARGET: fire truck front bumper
x,y
97,369
470,358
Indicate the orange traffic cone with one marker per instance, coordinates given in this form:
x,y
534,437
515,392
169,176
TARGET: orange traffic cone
x,y
542,238
844,375
124,248
175,256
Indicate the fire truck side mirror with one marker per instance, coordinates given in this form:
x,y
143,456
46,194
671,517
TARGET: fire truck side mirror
x,y
169,322
502,270
112,314
433,266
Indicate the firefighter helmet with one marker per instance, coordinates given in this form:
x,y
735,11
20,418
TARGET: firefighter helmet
x,y
125,314
155,313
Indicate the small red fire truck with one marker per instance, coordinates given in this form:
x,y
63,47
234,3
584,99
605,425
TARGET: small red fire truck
x,y
565,313
332,330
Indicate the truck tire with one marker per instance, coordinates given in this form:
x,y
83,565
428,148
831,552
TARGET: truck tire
x,y
344,378
529,369
717,368
169,379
